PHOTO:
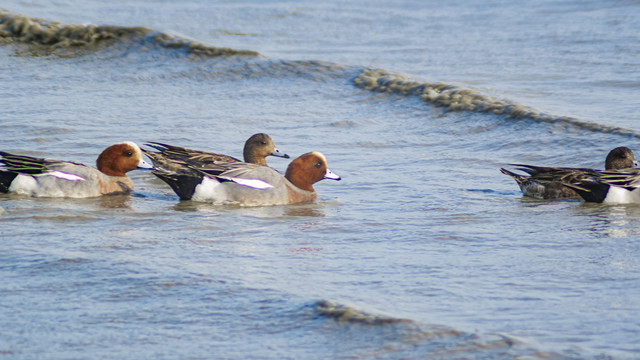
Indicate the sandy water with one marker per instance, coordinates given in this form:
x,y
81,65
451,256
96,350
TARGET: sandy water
x,y
423,250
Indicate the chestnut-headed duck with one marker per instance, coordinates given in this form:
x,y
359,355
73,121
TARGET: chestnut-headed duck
x,y
172,158
250,184
39,177
536,185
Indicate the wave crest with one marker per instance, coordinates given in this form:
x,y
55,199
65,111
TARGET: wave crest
x,y
345,313
457,98
22,29
405,338
198,48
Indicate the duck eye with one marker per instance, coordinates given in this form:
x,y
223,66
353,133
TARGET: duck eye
x,y
263,142
318,165
127,153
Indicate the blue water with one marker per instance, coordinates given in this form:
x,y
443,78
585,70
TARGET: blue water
x,y
424,250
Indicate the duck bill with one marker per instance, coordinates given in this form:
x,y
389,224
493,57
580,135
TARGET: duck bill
x,y
278,153
143,165
331,176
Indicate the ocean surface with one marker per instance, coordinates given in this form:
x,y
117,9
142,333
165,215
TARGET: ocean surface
x,y
423,250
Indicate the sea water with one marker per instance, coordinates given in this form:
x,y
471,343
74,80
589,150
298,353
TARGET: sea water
x,y
423,250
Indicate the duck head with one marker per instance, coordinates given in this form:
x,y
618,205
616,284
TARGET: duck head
x,y
118,159
308,169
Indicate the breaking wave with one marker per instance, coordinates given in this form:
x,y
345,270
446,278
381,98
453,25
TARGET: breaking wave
x,y
20,29
345,313
458,98
406,338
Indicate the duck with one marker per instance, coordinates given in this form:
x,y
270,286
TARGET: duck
x,y
43,177
172,158
600,186
532,186
247,184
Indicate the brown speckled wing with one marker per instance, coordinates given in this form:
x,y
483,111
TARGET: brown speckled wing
x,y
173,157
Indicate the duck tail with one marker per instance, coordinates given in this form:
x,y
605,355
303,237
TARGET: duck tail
x,y
162,161
6,178
518,178
158,146
183,183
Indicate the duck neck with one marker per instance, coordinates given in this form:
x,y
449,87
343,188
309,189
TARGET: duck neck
x,y
254,159
109,169
299,181
297,195
113,173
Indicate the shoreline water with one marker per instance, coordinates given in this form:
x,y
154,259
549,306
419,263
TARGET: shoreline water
x,y
423,227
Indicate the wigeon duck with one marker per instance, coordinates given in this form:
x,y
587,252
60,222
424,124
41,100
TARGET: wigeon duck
x,y
250,184
533,185
38,177
172,158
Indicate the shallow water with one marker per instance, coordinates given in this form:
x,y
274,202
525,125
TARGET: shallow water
x,y
423,250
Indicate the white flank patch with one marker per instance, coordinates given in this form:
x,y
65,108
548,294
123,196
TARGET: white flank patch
x,y
618,195
62,175
252,183
24,184
207,190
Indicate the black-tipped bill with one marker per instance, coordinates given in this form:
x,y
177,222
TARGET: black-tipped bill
x,y
278,153
331,176
143,165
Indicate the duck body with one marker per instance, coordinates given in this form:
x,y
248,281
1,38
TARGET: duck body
x,y
536,186
173,158
247,186
40,177
250,184
69,180
601,186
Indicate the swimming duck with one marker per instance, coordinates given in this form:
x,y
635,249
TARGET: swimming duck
x,y
39,177
250,184
617,159
172,158
602,186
